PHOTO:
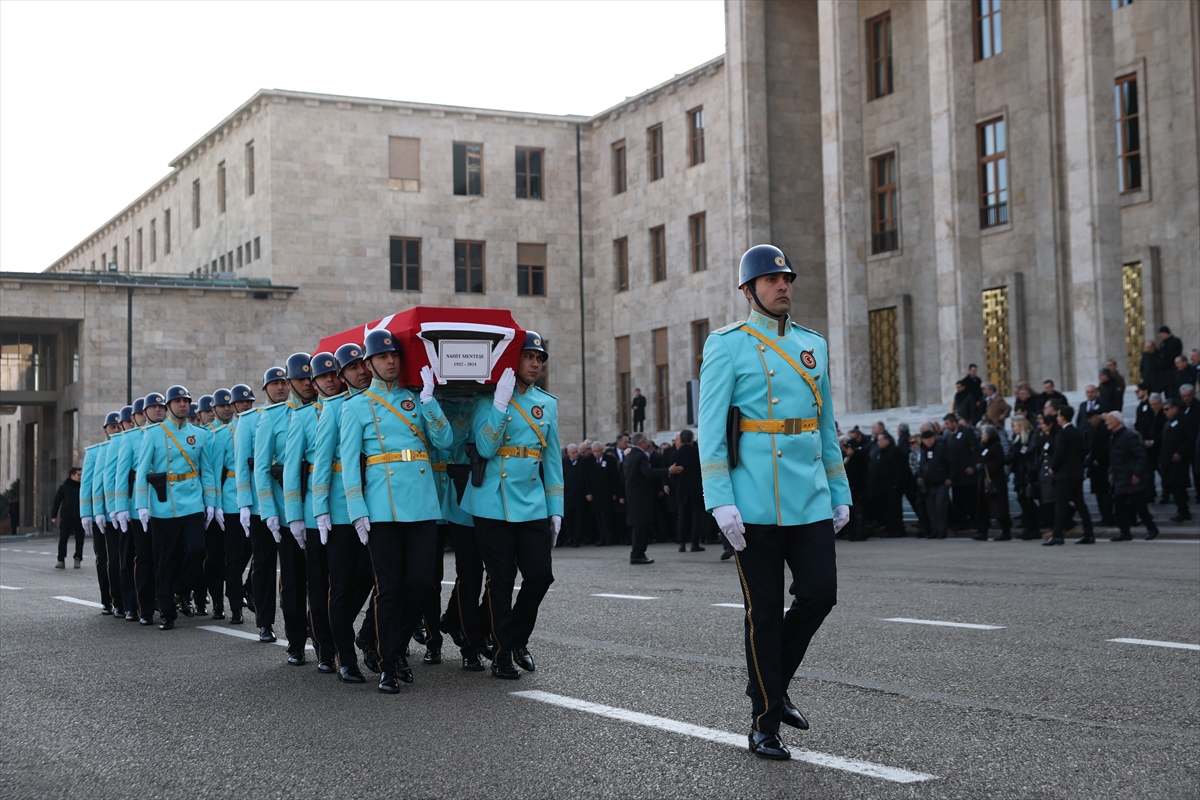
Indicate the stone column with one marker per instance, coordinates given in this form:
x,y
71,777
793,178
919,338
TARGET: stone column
x,y
1093,209
746,81
955,189
844,175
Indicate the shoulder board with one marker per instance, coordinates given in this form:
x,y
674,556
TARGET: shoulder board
x,y
808,330
251,411
733,326
152,425
94,446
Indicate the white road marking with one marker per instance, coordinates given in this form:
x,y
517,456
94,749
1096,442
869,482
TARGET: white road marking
x,y
728,605
14,588
447,583
80,602
626,596
868,768
947,624
45,554
245,635
1151,642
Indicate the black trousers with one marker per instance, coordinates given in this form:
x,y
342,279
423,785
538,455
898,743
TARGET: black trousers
x,y
573,528
66,529
178,551
640,535
937,503
127,551
143,568
917,503
430,612
690,524
465,608
112,552
966,499
214,563
1178,492
639,424
402,556
776,642
293,599
1129,509
1104,502
506,548
100,548
350,582
889,512
237,555
316,562
1066,494
604,533
262,578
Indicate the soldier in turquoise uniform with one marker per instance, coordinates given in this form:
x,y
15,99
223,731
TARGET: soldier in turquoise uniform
x,y
154,411
116,499
517,511
298,502
205,412
775,482
92,510
262,541
214,534
175,487
388,432
140,606
270,453
227,405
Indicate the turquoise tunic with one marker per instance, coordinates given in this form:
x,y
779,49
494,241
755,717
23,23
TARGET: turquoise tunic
x,y
328,491
458,411
222,453
781,479
243,448
127,459
87,504
111,459
301,446
270,448
513,486
184,455
99,503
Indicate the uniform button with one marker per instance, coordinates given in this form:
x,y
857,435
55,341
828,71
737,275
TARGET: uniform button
x,y
779,453
509,419
377,419
534,478
771,372
506,458
508,438
503,474
774,399
390,472
422,470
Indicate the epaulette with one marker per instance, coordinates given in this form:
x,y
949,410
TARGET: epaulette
x,y
251,411
92,446
543,391
733,326
808,330
152,425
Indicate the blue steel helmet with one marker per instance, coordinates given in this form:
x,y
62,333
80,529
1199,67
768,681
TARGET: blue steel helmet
x,y
154,399
347,354
298,366
273,374
113,418
242,392
127,414
762,259
323,364
139,405
192,409
206,403
176,392
536,342
377,342
221,397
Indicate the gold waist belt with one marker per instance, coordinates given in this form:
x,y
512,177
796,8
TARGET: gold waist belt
x,y
519,452
398,455
789,426
337,466
230,473
439,466
187,476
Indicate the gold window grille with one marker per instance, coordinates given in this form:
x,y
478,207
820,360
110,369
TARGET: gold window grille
x,y
996,349
885,358
1135,320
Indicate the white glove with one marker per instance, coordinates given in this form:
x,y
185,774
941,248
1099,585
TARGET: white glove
x,y
324,524
273,527
729,520
556,526
100,522
841,515
144,518
298,531
209,511
86,522
504,389
428,381
123,521
244,518
362,525
221,518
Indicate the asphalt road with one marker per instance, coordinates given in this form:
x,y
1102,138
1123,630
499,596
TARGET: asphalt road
x,y
644,697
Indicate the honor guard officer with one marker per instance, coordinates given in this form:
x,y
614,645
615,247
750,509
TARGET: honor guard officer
x,y
350,573
204,410
116,499
774,481
154,406
227,405
193,416
391,431
175,488
298,502
140,592
220,455
112,531
262,542
270,452
518,513
92,509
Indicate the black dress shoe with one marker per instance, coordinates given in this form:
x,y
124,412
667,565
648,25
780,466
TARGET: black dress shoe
x,y
980,537
767,745
266,635
351,674
505,669
389,683
523,660
328,667
697,549
682,548
472,663
420,635
166,625
236,618
218,614
1125,537
201,610
130,616
728,554
641,560
145,621
433,655
297,659
1053,540
1151,535
404,671
792,716
1086,540
186,609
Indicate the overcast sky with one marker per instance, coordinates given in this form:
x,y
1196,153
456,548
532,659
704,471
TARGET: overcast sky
x,y
97,97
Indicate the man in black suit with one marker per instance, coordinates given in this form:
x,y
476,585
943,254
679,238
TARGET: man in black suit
x,y
642,484
600,475
1091,405
1174,457
689,492
962,448
574,500
639,410
1066,469
1050,394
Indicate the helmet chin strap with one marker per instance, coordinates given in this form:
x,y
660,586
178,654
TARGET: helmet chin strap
x,y
779,318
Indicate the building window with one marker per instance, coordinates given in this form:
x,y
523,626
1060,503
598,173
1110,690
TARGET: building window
x,y
127,254
468,268
212,269
624,384
987,29
404,165
221,188
229,260
167,232
884,236
658,252
662,380
1129,156
654,145
406,265
884,352
618,166
196,203
248,251
139,249
621,262
531,270
879,46
468,169
249,168
73,353
221,259
239,252
699,337
153,240
257,249
698,232
529,173
993,174
696,136
113,263
1121,4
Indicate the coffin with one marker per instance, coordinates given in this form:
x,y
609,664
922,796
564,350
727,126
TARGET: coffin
x,y
469,347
